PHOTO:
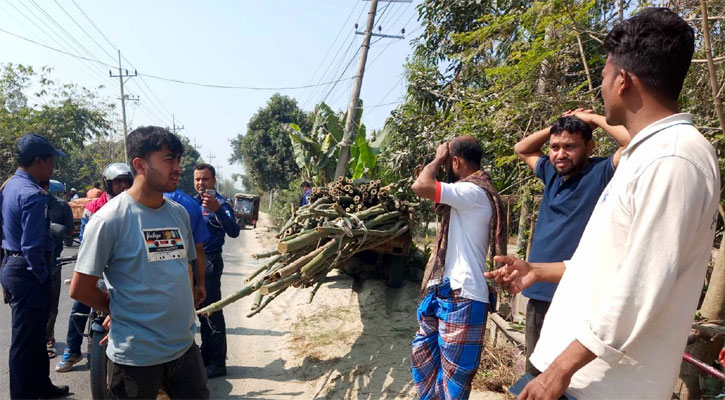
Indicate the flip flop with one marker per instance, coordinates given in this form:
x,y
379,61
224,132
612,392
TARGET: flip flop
x,y
50,347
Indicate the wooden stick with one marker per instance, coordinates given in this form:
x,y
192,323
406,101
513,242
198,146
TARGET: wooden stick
x,y
263,268
297,264
267,301
257,299
265,255
275,286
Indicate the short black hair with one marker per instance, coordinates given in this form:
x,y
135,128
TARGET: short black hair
x,y
96,185
305,184
27,161
467,148
572,125
199,167
656,45
145,140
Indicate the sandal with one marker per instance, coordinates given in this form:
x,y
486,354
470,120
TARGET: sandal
x,y
50,347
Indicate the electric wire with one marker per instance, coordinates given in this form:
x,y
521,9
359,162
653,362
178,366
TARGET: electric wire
x,y
84,31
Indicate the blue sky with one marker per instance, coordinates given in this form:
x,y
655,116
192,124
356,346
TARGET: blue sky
x,y
269,43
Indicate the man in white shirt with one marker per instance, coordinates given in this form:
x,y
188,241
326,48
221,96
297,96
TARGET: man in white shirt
x,y
447,348
620,318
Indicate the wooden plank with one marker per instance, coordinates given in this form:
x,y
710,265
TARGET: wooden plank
x,y
514,336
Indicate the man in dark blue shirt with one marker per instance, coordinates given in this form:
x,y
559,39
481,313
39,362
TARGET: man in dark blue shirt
x,y
306,193
573,181
219,217
26,266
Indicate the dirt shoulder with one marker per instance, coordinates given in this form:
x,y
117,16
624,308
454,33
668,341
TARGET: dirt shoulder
x,y
352,341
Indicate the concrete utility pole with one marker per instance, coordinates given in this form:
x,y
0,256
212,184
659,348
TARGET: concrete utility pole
x,y
175,128
352,111
120,76
347,136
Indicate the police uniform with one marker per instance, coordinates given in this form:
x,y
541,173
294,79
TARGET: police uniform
x,y
213,331
25,275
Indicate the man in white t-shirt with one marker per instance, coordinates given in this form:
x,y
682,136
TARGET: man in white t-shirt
x,y
447,348
620,318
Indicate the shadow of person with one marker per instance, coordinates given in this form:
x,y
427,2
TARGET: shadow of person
x,y
378,363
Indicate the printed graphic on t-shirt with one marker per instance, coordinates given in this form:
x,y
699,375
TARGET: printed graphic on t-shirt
x,y
164,244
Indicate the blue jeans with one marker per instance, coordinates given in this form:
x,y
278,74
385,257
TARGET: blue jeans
x,y
76,325
213,329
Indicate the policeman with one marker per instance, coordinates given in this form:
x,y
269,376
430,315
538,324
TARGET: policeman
x,y
26,266
219,217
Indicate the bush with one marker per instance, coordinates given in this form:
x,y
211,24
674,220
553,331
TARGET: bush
x,y
281,211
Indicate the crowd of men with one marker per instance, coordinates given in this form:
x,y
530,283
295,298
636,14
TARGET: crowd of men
x,y
617,262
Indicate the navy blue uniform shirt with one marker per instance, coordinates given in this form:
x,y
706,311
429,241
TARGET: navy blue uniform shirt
x,y
564,212
25,222
220,223
198,224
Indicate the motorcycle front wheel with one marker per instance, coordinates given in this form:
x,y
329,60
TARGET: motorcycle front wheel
x,y
98,360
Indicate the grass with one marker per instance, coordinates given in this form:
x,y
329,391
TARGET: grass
x,y
500,367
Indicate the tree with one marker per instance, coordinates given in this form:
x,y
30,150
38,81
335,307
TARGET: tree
x,y
67,114
190,158
265,150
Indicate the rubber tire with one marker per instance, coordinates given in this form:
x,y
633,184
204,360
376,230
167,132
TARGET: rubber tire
x,y
68,242
97,364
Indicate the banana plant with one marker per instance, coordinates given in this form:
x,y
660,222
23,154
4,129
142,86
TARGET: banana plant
x,y
316,152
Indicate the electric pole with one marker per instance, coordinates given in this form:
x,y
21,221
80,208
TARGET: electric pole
x,y
120,76
352,110
175,128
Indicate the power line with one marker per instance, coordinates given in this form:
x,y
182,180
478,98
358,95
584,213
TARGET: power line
x,y
322,60
354,57
217,86
326,75
83,30
94,25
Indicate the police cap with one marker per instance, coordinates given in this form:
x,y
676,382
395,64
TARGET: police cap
x,y
32,145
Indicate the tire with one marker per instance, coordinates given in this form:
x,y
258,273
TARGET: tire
x,y
68,242
97,363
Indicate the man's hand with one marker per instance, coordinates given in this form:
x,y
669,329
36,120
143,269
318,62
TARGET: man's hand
x,y
442,151
515,276
107,327
199,295
210,202
546,386
583,114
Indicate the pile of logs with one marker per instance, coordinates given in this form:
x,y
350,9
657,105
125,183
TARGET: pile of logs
x,y
342,219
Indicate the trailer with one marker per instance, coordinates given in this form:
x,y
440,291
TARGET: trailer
x,y
246,209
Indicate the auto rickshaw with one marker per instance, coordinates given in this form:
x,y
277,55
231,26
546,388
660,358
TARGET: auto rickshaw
x,y
246,209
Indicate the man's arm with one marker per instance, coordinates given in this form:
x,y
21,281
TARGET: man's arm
x,y
517,274
553,382
220,211
618,132
529,148
425,185
84,289
34,225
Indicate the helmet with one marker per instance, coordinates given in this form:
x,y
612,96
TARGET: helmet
x,y
56,186
115,171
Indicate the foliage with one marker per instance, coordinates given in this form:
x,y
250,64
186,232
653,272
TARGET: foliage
x,y
317,151
265,149
281,210
190,158
68,115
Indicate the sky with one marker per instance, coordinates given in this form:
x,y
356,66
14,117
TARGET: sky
x,y
261,44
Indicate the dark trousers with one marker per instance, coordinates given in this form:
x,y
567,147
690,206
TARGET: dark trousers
x,y
213,328
30,303
76,326
535,313
54,298
183,378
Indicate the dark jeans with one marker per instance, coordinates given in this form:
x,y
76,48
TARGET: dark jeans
x,y
30,303
76,325
535,313
183,378
54,298
213,328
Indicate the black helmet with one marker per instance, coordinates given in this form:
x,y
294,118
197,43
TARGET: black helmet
x,y
115,171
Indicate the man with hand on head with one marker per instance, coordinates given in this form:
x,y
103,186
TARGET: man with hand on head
x,y
447,348
573,181
621,315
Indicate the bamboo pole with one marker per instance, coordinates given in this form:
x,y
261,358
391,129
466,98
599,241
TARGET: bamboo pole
x,y
297,264
265,255
208,310
299,242
263,268
275,286
267,301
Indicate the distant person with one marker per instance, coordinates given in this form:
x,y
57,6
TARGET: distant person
x,y
148,274
61,227
73,194
219,218
447,348
26,266
306,193
117,177
573,181
201,233
95,192
619,320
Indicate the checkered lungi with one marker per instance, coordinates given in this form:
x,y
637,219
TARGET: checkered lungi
x,y
447,348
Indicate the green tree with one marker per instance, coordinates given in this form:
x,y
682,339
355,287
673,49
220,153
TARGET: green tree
x,y
265,150
67,114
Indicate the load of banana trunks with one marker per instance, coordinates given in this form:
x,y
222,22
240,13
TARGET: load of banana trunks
x,y
342,219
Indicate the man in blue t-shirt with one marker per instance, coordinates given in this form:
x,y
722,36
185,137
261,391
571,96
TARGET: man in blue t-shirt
x,y
573,181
